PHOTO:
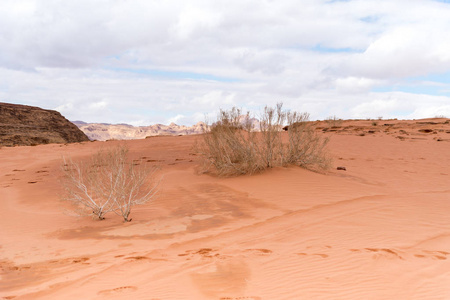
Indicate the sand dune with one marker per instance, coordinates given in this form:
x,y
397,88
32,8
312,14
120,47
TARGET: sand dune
x,y
379,230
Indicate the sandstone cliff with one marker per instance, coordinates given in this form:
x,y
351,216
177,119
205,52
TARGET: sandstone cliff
x,y
103,132
22,125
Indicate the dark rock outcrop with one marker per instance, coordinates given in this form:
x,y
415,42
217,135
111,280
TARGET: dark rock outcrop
x,y
22,125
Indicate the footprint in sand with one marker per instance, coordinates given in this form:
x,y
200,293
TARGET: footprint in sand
x,y
241,298
318,248
202,252
80,260
137,257
314,254
120,289
440,255
155,160
384,252
259,252
141,258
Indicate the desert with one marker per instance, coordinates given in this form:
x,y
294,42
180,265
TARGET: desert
x,y
379,229
225,150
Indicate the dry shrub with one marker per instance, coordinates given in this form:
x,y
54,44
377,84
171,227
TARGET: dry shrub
x,y
108,182
232,146
229,144
333,121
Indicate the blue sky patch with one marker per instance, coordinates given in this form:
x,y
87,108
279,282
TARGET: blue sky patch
x,y
176,74
433,84
370,19
323,49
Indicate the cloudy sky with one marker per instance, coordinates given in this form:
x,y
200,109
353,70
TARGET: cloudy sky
x,y
150,61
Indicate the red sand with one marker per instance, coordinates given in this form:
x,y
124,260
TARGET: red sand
x,y
380,230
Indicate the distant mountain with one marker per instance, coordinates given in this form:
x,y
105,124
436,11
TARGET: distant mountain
x,y
78,122
103,132
23,125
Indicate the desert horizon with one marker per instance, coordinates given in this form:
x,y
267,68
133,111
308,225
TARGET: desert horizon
x,y
120,131
378,230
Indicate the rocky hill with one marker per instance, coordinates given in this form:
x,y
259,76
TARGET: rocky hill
x,y
103,132
22,125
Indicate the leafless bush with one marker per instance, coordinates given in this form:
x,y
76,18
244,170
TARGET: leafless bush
x,y
232,146
334,121
305,147
108,182
229,145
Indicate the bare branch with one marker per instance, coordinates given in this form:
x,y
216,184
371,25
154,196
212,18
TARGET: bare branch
x,y
108,182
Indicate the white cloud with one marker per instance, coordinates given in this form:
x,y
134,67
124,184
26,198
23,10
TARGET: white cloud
x,y
194,20
435,111
402,105
98,106
353,84
405,51
379,107
215,98
313,55
176,119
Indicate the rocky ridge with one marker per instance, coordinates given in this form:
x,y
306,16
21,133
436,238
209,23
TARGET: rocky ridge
x,y
22,125
421,129
104,132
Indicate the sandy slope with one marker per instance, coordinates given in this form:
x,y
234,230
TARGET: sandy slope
x,y
380,230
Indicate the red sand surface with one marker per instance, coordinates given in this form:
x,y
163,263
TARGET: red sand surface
x,y
379,230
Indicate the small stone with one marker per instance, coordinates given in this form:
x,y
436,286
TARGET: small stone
x,y
341,168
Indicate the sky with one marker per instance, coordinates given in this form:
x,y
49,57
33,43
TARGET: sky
x,y
143,62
